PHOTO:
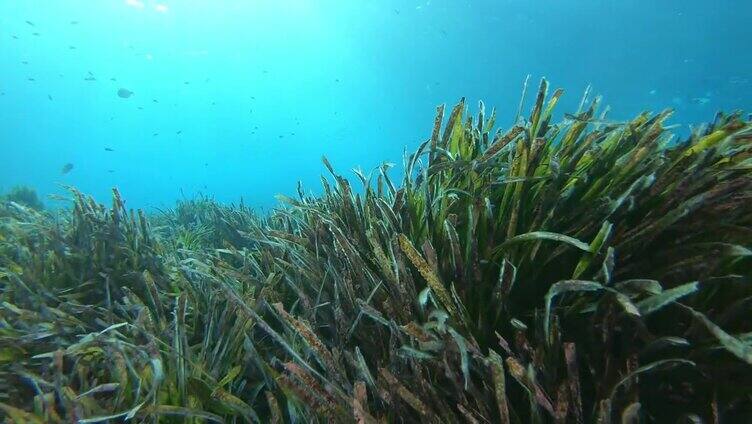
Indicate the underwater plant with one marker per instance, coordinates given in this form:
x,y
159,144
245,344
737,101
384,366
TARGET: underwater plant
x,y
24,195
548,272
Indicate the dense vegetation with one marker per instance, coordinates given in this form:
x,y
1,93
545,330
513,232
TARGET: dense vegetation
x,y
573,272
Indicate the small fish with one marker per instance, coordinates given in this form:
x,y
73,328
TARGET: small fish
x,y
596,121
155,100
140,108
280,136
124,93
700,100
74,22
90,78
253,98
31,79
206,80
336,80
49,97
155,134
71,47
186,82
36,34
110,171
109,149
24,62
15,37
214,103
113,79
30,23
66,168
179,132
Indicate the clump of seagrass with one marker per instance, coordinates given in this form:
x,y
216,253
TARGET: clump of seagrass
x,y
546,272
23,195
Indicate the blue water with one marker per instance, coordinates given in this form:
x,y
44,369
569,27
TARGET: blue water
x,y
260,90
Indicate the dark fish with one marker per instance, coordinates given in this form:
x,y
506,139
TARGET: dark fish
x,y
90,78
110,171
74,22
155,100
214,103
253,98
113,79
35,34
186,82
124,93
155,134
109,149
140,108
71,47
206,80
179,132
336,80
24,62
15,37
49,97
281,136
66,168
30,23
31,79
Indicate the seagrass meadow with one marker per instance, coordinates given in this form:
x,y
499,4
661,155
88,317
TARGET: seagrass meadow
x,y
570,272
